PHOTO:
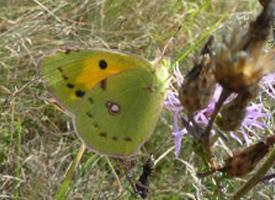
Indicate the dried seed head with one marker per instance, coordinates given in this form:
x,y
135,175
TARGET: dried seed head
x,y
199,84
264,2
238,72
244,161
237,63
234,112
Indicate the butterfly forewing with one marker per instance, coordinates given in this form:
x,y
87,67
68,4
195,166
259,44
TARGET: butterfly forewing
x,y
115,98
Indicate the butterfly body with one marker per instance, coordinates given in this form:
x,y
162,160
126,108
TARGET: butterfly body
x,y
115,99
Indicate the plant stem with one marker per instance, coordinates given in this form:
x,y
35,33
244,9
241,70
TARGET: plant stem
x,y
206,136
256,177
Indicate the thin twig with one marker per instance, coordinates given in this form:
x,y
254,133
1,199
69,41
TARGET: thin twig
x,y
48,11
163,155
115,174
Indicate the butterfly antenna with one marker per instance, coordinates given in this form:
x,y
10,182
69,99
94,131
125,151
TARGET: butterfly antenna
x,y
166,48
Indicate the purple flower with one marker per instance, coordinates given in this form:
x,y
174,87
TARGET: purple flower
x,y
172,103
202,116
254,119
177,135
268,84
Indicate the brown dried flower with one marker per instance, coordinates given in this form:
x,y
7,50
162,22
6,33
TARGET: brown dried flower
x,y
238,62
199,84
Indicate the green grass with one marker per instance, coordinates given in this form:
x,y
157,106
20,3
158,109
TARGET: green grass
x,y
37,142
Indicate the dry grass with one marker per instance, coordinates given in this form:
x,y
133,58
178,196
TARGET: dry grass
x,y
37,142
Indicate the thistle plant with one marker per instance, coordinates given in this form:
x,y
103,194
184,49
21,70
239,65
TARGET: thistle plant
x,y
221,89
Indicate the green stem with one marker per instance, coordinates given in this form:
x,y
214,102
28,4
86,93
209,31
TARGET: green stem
x,y
256,177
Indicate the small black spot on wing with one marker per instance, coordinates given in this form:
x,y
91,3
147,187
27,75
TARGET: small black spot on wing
x,y
149,89
91,100
114,138
128,139
60,69
103,134
63,75
69,85
79,93
67,51
89,114
103,84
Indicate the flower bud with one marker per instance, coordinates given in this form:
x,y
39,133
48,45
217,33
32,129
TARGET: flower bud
x,y
233,113
199,84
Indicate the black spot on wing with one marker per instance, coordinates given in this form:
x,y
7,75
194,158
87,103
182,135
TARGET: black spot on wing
x,y
102,64
79,93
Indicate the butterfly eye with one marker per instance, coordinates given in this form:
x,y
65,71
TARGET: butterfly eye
x,y
103,64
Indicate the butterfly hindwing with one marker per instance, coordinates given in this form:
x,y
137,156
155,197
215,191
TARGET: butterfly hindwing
x,y
117,119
